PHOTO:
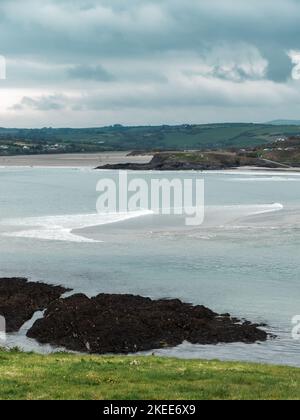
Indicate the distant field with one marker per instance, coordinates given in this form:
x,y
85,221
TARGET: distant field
x,y
66,376
214,136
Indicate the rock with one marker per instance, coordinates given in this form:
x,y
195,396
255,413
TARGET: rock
x,y
20,299
164,162
129,324
195,161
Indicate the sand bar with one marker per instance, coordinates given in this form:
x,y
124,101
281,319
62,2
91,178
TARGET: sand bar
x,y
90,160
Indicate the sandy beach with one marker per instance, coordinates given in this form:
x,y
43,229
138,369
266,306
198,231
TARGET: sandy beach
x,y
93,160
90,160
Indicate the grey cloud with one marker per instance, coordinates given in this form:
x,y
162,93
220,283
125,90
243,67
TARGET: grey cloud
x,y
89,72
236,61
42,103
152,53
197,92
280,65
142,27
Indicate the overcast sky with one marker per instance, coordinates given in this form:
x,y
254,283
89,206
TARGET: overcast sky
x,y
99,62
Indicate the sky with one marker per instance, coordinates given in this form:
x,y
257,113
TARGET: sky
x,y
83,63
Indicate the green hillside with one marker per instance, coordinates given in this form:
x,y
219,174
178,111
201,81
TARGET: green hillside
x,y
212,136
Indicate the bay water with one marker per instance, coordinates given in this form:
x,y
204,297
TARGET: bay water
x,y
244,259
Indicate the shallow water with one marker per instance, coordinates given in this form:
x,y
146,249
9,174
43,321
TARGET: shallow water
x,y
244,259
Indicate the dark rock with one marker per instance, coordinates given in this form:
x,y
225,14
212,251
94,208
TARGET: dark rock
x,y
128,324
20,299
165,162
196,161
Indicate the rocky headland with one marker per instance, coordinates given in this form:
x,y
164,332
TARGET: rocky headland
x,y
194,161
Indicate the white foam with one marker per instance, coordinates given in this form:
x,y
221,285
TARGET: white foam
x,y
268,209
232,215
60,228
266,179
254,173
248,209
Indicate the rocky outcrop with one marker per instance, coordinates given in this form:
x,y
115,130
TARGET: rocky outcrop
x,y
164,162
20,299
195,161
128,324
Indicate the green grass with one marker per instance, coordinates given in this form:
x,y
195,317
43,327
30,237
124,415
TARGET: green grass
x,y
66,376
182,137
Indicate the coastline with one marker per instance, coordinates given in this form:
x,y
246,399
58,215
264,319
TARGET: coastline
x,y
76,160
93,160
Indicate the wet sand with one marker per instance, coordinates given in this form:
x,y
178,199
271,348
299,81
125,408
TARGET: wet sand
x,y
93,160
90,160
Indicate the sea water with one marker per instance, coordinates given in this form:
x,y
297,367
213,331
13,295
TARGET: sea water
x,y
244,259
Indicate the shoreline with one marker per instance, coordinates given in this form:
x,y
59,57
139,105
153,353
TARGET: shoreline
x,y
237,171
71,161
265,169
92,160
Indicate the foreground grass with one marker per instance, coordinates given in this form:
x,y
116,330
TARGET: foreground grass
x,y
66,376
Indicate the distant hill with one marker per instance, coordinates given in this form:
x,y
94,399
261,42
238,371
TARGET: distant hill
x,y
285,122
118,137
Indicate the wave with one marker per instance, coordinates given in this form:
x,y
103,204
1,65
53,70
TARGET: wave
x,y
266,179
232,215
254,172
247,209
60,228
66,227
265,208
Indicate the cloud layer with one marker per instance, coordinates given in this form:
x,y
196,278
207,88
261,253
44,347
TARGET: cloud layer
x,y
97,62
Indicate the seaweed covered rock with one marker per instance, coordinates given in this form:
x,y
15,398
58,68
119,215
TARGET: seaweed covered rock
x,y
20,299
128,324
